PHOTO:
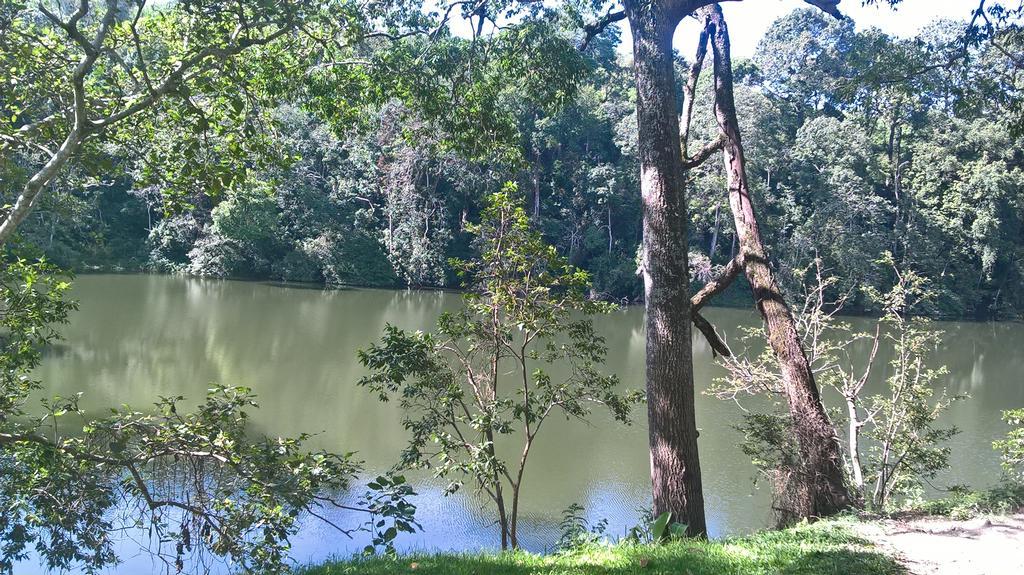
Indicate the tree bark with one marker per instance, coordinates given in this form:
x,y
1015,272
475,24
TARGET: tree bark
x,y
690,91
37,183
503,524
854,447
714,236
821,482
675,468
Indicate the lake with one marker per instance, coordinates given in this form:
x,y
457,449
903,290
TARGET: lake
x,y
137,337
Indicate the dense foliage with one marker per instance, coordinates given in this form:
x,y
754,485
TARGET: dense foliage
x,y
858,143
349,143
1012,446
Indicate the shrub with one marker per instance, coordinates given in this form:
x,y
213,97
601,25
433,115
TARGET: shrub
x,y
1012,446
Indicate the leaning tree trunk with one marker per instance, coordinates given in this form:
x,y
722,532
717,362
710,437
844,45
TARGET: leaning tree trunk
x,y
820,487
675,469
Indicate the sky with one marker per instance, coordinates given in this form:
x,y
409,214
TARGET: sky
x,y
749,20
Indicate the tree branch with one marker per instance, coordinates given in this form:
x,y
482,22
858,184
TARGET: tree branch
x,y
594,29
83,127
830,7
718,346
690,90
702,297
717,285
704,154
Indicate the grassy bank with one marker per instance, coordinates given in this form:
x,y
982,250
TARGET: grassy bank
x,y
821,549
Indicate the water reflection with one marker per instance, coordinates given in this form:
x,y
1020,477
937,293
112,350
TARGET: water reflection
x,y
138,337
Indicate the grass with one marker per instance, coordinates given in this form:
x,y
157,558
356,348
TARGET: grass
x,y
828,547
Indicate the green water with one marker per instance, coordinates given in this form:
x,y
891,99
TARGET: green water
x,y
138,337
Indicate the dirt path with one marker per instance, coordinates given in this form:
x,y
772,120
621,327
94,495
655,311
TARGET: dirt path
x,y
941,546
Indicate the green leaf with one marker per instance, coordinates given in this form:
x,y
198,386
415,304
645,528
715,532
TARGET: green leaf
x,y
659,524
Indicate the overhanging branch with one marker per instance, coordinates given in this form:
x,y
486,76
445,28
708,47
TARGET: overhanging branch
x,y
718,346
830,7
594,29
704,153
717,285
702,297
690,91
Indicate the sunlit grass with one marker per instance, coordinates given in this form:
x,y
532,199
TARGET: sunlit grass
x,y
821,549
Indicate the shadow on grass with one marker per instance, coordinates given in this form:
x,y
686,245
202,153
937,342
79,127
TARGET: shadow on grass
x,y
846,562
789,553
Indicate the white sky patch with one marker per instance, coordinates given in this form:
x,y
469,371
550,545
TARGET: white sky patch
x,y
749,20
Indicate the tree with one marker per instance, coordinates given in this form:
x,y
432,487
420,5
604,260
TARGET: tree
x,y
901,423
469,122
675,466
803,58
485,377
672,420
241,239
414,207
117,62
838,214
997,29
820,483
198,480
1012,446
78,72
895,443
203,485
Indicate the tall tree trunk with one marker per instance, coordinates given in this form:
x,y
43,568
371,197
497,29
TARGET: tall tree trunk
x,y
675,468
536,183
714,235
611,238
854,442
821,483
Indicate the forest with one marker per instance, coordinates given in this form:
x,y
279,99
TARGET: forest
x,y
859,143
607,267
